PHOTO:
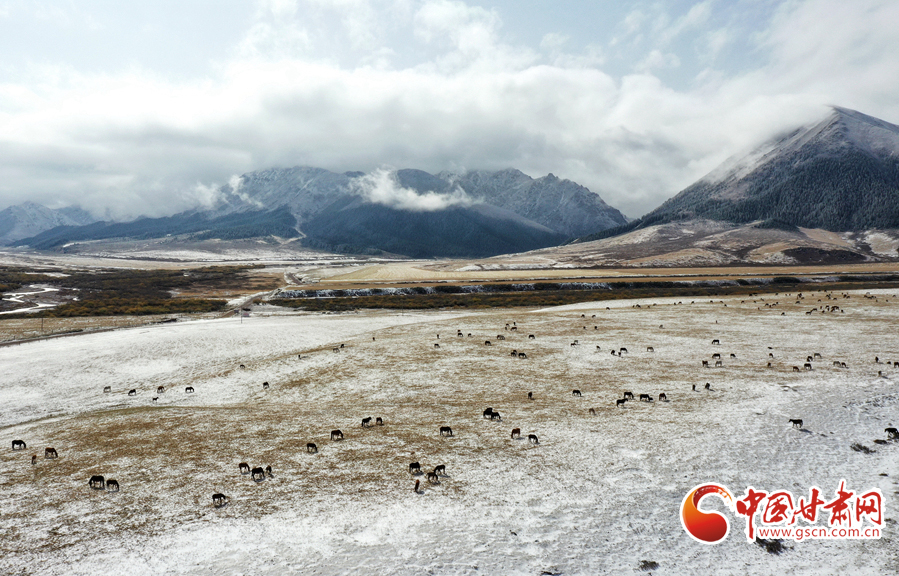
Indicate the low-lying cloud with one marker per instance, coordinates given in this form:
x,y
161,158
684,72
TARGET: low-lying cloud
x,y
137,142
381,187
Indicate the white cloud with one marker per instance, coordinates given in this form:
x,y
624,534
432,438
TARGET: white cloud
x,y
381,187
138,142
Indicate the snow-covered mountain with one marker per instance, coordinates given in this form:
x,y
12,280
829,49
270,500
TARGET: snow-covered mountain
x,y
408,212
28,219
841,174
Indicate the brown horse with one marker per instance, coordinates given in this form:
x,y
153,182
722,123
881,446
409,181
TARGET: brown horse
x,y
366,422
432,478
516,433
620,401
796,422
336,435
132,392
107,389
50,453
592,411
576,393
446,431
440,470
257,474
19,445
112,485
415,468
244,468
189,390
219,500
97,482
311,448
160,390
532,438
892,433
379,421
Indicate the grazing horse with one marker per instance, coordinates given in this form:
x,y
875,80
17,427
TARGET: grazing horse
x,y
836,363
808,358
629,395
33,459
531,337
487,343
257,474
620,401
575,392
242,367
796,422
160,390
716,341
441,469
366,422
415,467
219,500
265,385
19,445
645,398
796,369
592,411
436,345
516,433
514,328
50,453
112,485
715,356
705,363
432,478
488,413
107,389
718,363
495,416
533,439
244,468
807,366
336,349
663,396
650,349
189,390
530,395
97,482
132,392
311,448
379,421
446,431
268,472
732,355
622,350
522,355
892,433
500,337
514,353
336,435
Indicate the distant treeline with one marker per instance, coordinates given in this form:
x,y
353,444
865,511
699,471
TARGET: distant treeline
x,y
549,296
131,292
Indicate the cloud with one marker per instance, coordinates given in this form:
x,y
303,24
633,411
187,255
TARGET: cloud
x,y
381,187
137,142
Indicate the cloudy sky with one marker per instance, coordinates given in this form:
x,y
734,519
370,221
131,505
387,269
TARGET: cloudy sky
x,y
144,108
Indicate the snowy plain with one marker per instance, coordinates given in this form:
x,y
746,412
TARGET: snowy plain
x,y
599,494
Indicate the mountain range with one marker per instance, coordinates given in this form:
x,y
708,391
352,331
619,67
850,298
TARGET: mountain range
x,y
839,175
477,214
28,219
842,174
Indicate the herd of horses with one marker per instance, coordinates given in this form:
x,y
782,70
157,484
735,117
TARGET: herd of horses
x,y
259,474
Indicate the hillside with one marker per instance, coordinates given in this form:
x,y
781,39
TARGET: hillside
x,y
28,219
473,214
841,174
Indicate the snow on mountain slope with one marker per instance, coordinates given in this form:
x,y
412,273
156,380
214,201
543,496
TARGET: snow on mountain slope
x,y
28,219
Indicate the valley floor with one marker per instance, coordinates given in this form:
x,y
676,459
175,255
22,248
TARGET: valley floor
x,y
599,493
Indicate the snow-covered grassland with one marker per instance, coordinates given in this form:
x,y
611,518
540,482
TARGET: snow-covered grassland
x,y
599,494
